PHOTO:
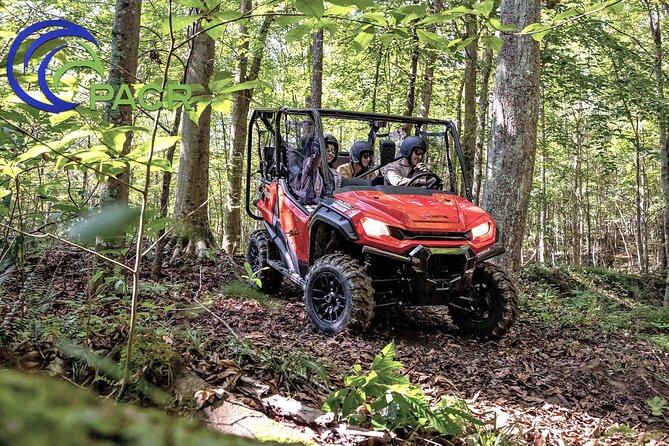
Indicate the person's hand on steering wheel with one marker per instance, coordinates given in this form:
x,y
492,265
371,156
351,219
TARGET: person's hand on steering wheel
x,y
427,180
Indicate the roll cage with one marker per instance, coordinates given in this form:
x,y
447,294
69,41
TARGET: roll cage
x,y
265,136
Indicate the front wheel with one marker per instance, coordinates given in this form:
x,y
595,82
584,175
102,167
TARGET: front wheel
x,y
491,307
338,294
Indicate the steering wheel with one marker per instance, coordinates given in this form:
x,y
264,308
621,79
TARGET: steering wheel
x,y
432,181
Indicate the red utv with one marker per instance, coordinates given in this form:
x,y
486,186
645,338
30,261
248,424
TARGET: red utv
x,y
367,244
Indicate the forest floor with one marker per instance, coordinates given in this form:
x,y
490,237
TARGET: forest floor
x,y
587,353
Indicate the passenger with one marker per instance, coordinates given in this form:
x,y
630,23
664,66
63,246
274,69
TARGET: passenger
x,y
309,186
400,172
362,158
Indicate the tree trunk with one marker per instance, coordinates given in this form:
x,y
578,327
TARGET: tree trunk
x,y
541,249
411,86
663,122
122,70
481,140
317,74
514,129
157,265
191,209
430,60
240,111
471,61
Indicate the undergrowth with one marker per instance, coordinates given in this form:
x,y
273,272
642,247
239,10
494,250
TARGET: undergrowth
x,y
597,298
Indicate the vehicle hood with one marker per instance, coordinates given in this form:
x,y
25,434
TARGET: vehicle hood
x,y
426,211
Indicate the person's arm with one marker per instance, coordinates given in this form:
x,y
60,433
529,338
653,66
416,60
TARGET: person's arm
x,y
394,177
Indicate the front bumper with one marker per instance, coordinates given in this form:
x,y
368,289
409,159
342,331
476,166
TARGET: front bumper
x,y
435,274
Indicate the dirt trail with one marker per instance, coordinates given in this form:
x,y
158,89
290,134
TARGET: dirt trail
x,y
544,383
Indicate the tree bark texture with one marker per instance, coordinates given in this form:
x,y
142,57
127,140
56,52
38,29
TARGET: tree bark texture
x,y
317,73
240,111
482,125
191,209
411,85
663,121
122,70
470,80
430,61
514,129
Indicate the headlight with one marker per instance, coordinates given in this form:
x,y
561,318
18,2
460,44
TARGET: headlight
x,y
481,230
374,228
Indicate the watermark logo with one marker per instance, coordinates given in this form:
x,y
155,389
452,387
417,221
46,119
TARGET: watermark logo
x,y
66,29
175,94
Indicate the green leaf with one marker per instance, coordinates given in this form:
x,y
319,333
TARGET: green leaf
x,y
298,32
386,38
34,152
377,18
565,15
110,222
430,38
412,12
363,39
92,156
484,8
165,142
227,15
360,4
152,227
179,23
657,405
221,105
497,26
312,8
616,8
60,117
161,164
248,85
190,3
287,20
339,10
493,42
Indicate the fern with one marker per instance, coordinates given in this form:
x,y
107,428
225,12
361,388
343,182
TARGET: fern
x,y
393,402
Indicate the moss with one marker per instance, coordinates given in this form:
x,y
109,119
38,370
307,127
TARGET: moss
x,y
39,411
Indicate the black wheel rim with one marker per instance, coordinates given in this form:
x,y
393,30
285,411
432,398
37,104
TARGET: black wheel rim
x,y
254,257
480,308
329,299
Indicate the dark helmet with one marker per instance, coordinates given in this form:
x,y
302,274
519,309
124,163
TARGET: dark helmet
x,y
330,139
410,143
358,148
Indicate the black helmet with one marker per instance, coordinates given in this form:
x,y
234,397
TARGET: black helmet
x,y
330,139
358,148
410,143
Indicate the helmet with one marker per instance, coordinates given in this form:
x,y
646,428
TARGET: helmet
x,y
410,143
330,139
358,148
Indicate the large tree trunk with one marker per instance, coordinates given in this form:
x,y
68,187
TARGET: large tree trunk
x,y
191,209
514,129
663,121
470,78
430,61
317,73
240,111
481,139
411,85
122,70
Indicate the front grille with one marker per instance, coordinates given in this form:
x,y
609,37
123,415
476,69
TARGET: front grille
x,y
403,234
442,265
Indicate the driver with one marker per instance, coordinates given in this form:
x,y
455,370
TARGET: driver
x,y
400,172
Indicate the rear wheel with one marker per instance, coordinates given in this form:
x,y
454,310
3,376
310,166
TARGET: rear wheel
x,y
339,294
491,307
257,253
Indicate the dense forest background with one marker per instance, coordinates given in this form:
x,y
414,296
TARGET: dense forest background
x,y
596,189
563,119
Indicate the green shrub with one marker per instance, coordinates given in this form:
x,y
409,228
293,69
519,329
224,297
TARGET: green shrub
x,y
390,401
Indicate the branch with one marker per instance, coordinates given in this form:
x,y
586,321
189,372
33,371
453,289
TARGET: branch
x,y
67,242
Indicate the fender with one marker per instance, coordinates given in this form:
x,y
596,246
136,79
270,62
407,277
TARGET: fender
x,y
332,218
